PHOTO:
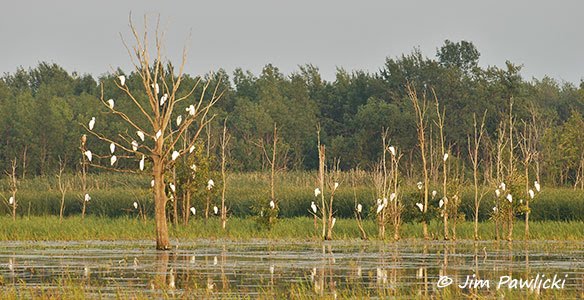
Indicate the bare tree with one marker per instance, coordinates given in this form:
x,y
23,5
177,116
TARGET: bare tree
x,y
85,197
63,187
421,122
444,202
473,151
13,201
160,84
224,142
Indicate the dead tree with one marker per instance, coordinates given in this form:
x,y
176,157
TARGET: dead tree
x,y
421,124
444,202
224,143
473,151
63,187
162,102
13,201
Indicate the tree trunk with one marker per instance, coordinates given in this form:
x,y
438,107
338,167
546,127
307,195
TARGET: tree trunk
x,y
162,241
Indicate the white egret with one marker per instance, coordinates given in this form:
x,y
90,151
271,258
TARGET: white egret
x,y
434,193
380,206
140,135
531,194
392,197
509,197
537,186
503,186
272,204
210,184
135,205
113,160
163,99
520,201
134,145
441,203
87,198
420,185
178,120
110,103
158,134
194,167
215,260
333,222
122,79
392,150
215,209
172,187
313,207
497,193
89,155
445,156
193,211
11,200
156,88
336,185
359,208
112,147
91,123
316,192
420,206
152,183
191,149
175,155
495,209
191,110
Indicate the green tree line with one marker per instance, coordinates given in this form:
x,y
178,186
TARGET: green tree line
x,y
41,110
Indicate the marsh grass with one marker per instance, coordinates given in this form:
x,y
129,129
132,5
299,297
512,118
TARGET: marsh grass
x,y
47,228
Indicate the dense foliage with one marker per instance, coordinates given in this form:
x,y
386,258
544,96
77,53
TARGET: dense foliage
x,y
41,110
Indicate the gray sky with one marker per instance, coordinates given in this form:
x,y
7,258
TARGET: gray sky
x,y
84,36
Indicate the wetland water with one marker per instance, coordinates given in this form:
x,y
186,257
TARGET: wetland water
x,y
216,268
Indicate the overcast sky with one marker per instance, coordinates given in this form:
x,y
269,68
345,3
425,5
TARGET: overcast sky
x,y
84,36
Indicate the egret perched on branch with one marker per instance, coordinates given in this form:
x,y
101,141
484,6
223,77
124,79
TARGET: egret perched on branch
x,y
495,210
434,193
172,187
135,205
510,198
531,194
336,185
191,110
215,209
193,210
163,99
503,186
359,207
441,203
272,204
445,157
392,150
210,184
175,155
91,123
112,147
142,163
497,193
194,167
333,222
313,207
110,103
122,79
420,206
87,198
11,200
158,134
140,135
191,149
88,154
316,192
152,183
156,88
420,185
113,160
134,145
380,205
537,186
178,120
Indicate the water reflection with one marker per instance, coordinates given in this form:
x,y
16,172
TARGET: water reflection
x,y
274,268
